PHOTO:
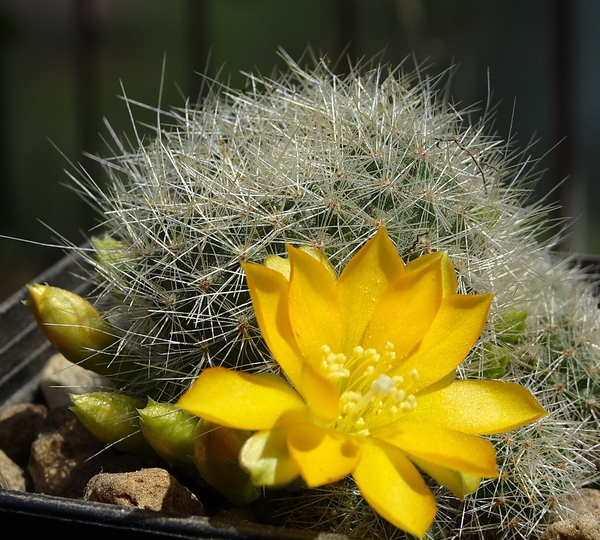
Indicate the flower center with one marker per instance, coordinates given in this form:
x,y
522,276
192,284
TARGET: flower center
x,y
369,397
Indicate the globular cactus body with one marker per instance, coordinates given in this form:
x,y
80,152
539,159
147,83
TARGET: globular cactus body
x,y
312,159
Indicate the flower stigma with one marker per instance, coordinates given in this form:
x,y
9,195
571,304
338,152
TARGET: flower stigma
x,y
369,397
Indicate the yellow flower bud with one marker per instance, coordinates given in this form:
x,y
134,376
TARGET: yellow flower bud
x,y
110,252
216,451
170,431
73,326
113,418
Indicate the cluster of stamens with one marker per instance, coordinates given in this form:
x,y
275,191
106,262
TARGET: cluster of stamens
x,y
369,397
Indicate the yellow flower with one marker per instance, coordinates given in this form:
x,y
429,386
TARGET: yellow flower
x,y
371,356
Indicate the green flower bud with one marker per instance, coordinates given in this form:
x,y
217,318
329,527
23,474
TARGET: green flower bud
x,y
511,326
170,431
216,451
113,418
110,252
496,361
73,326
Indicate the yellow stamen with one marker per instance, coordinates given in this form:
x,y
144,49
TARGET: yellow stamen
x,y
369,397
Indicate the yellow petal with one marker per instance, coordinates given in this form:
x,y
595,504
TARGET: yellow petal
x,y
275,262
454,331
321,257
266,458
393,487
460,484
313,308
478,407
362,282
407,310
244,401
321,395
323,455
269,293
279,264
448,274
442,446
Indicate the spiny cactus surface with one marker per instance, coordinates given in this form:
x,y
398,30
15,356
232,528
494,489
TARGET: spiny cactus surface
x,y
312,159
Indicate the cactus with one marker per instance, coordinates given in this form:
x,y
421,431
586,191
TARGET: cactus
x,y
316,160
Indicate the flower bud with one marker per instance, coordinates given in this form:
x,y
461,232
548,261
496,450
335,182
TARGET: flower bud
x,y
73,326
216,451
497,359
110,252
170,431
113,418
511,326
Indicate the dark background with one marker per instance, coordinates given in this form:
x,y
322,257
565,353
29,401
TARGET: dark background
x,y
62,63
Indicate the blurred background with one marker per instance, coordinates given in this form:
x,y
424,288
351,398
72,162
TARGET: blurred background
x,y
62,64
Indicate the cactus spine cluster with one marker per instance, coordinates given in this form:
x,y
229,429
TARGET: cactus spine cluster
x,y
312,159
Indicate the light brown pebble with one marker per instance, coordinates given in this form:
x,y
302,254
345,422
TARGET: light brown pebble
x,y
579,527
60,378
149,489
60,461
11,475
19,427
588,500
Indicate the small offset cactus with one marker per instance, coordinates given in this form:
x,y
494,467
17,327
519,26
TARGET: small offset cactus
x,y
321,162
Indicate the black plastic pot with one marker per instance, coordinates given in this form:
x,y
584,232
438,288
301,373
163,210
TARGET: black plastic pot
x,y
23,353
